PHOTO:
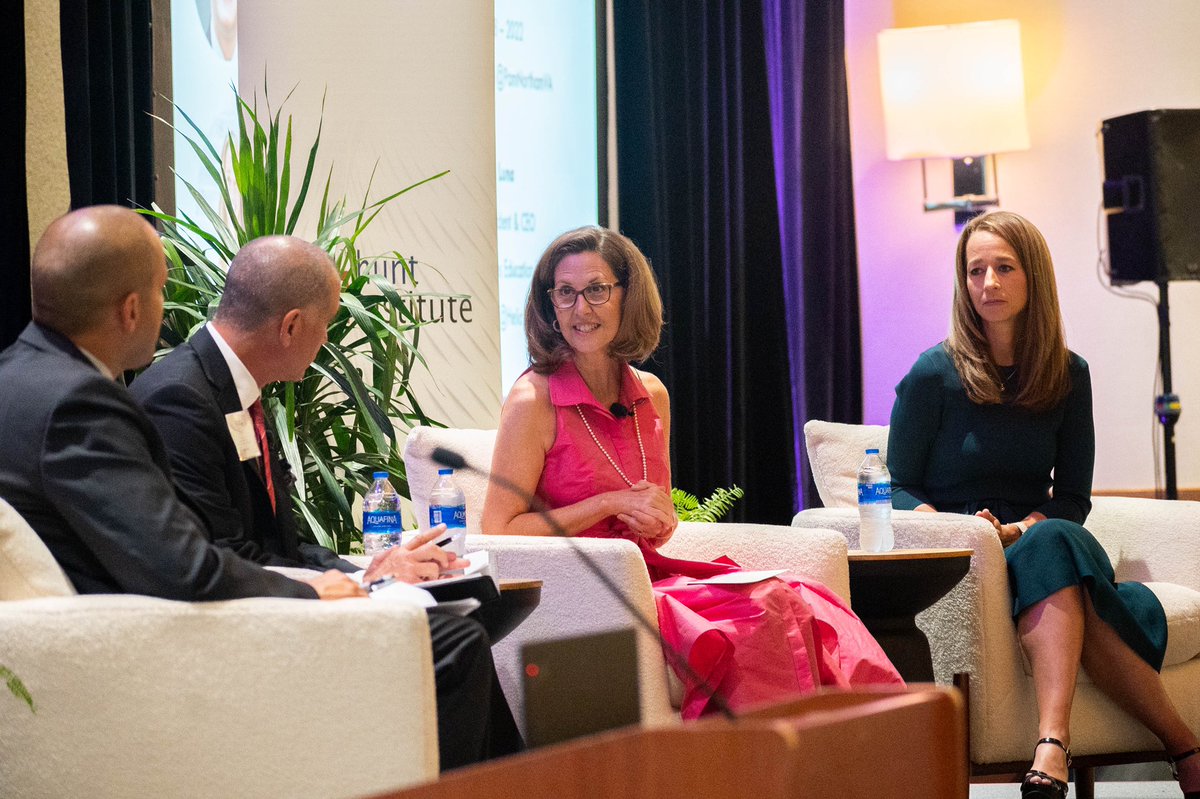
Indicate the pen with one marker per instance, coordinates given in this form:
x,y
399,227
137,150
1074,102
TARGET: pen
x,y
383,582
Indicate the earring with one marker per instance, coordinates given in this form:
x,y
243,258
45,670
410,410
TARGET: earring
x,y
554,325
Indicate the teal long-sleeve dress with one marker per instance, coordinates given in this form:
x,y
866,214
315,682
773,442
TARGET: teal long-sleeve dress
x,y
946,451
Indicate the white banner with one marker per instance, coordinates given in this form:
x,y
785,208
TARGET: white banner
x,y
409,93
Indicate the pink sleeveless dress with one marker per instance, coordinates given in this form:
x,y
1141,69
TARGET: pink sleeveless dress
x,y
754,644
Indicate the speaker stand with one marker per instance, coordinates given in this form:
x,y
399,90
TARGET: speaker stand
x,y
1166,404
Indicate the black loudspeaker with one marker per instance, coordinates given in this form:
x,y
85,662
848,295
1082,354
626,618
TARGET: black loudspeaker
x,y
1152,195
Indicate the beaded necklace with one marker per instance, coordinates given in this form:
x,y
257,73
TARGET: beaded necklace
x,y
604,452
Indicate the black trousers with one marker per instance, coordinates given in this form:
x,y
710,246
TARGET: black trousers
x,y
474,720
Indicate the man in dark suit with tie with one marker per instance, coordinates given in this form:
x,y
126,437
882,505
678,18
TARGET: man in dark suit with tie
x,y
280,295
86,468
78,458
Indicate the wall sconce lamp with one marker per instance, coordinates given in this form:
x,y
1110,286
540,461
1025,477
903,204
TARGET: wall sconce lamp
x,y
957,92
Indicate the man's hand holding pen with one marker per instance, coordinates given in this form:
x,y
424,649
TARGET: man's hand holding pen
x,y
418,561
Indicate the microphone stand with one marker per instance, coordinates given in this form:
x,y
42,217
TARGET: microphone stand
x,y
452,460
1166,404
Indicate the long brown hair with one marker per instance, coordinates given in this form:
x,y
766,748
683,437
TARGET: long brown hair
x,y
1039,345
641,306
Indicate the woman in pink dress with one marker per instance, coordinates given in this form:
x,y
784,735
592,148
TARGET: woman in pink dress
x,y
589,435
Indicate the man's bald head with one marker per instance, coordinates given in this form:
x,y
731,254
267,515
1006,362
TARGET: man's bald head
x,y
87,262
273,275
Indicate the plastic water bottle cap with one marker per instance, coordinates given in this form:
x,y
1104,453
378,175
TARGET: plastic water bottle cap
x,y
872,452
445,471
379,476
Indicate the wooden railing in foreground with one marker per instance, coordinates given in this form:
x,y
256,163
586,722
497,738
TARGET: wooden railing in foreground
x,y
845,744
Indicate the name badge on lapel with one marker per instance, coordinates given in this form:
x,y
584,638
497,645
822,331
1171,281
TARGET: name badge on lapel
x,y
241,430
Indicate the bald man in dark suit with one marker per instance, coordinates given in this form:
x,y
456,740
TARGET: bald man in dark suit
x,y
280,295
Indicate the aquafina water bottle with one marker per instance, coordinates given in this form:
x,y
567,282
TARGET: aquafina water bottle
x,y
448,506
875,504
381,516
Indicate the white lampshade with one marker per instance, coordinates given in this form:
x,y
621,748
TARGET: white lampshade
x,y
953,90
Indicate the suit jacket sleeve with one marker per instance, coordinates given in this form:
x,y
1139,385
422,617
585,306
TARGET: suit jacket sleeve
x,y
196,430
100,472
316,556
196,434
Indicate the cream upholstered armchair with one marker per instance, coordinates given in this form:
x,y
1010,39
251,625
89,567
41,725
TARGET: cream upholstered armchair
x,y
143,697
573,601
971,631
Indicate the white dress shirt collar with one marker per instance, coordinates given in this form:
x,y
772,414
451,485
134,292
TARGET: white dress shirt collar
x,y
243,381
96,362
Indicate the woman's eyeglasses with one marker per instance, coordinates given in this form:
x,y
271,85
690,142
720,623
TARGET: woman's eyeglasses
x,y
594,294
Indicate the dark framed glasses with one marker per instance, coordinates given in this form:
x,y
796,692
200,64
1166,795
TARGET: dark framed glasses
x,y
594,294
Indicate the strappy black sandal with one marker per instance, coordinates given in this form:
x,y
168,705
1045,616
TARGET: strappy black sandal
x,y
1057,789
1175,761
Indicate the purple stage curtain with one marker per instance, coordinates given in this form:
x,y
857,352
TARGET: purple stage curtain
x,y
696,183
810,130
734,178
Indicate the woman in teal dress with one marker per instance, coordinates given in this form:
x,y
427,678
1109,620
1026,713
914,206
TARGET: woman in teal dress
x,y
997,421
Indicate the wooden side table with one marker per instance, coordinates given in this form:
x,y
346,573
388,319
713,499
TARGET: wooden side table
x,y
889,589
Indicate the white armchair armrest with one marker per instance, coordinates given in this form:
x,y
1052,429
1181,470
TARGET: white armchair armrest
x,y
1149,540
813,554
574,602
256,697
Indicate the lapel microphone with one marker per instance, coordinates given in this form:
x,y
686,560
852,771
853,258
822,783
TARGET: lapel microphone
x,y
452,460
619,411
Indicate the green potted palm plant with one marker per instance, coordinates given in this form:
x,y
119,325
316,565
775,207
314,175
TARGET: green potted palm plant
x,y
340,423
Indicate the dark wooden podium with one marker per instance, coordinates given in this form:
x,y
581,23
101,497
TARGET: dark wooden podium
x,y
864,744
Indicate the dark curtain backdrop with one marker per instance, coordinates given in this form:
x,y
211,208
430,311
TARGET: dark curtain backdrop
x,y
107,60
810,122
736,184
14,214
697,193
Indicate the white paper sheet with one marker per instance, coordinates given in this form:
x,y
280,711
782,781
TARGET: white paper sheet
x,y
740,577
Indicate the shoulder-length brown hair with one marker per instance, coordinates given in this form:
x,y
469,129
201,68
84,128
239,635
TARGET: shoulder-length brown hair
x,y
1039,345
641,306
